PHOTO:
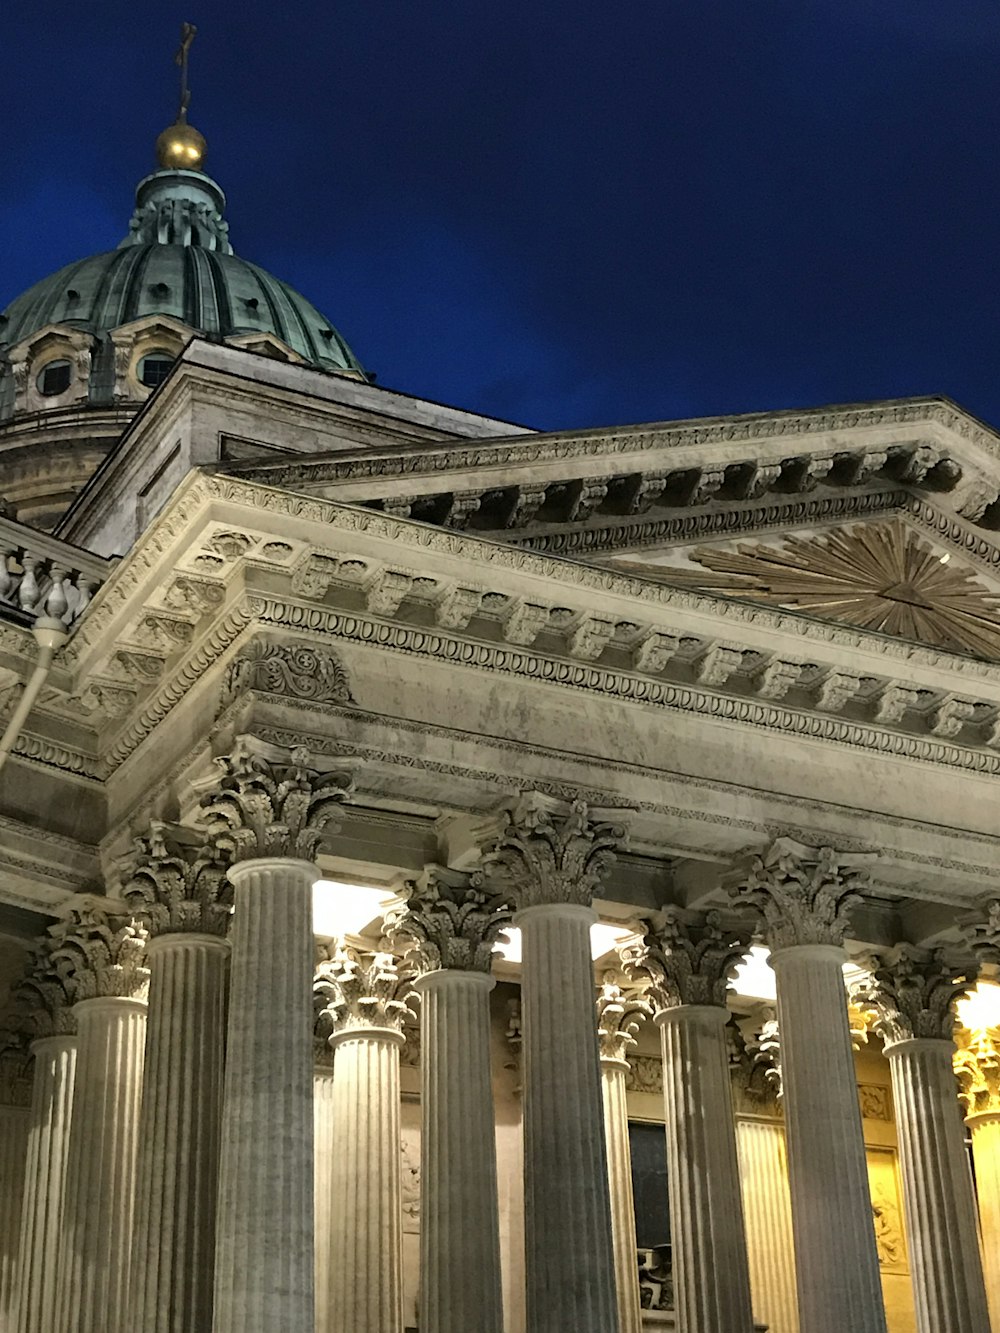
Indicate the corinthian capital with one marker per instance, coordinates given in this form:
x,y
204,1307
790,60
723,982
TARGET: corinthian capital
x,y
688,957
273,802
551,852
912,993
362,990
803,895
173,887
100,951
983,934
43,997
977,1066
620,1010
446,923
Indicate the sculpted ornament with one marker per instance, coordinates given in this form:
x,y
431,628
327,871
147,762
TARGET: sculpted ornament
x,y
688,958
977,1067
43,999
363,990
804,895
620,1009
446,923
171,887
983,934
15,1068
296,671
912,992
271,802
101,952
550,853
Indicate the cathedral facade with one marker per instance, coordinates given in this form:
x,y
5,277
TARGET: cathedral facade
x,y
475,880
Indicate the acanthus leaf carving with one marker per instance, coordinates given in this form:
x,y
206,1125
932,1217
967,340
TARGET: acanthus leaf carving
x,y
446,922
100,951
176,887
912,992
363,990
621,1007
686,958
270,802
293,670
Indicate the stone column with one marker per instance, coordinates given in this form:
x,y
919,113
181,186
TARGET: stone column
x,y
366,1234
270,808
451,930
551,859
102,951
689,959
911,992
803,896
619,1009
15,1120
48,1007
977,1064
180,894
324,1204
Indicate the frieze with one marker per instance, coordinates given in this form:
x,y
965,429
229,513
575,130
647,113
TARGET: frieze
x,y
295,670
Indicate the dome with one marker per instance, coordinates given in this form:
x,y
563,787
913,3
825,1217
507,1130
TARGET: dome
x,y
216,294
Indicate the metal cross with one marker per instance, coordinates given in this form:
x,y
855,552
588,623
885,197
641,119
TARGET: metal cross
x,y
188,31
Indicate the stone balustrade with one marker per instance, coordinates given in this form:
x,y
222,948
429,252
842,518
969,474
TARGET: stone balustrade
x,y
42,576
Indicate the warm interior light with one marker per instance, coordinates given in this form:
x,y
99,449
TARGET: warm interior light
x,y
603,938
981,1007
346,909
754,978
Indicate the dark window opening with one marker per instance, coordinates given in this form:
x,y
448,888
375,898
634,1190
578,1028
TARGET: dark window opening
x,y
55,378
154,369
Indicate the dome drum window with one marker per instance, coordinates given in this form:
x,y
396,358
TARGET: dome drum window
x,y
55,378
154,368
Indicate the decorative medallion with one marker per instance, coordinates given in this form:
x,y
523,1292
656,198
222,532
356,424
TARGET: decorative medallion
x,y
878,576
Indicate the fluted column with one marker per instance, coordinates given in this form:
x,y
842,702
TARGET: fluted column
x,y
270,809
47,1004
803,895
451,930
764,1177
619,1009
105,953
977,1064
689,959
15,1100
324,1203
366,1234
551,859
180,894
912,991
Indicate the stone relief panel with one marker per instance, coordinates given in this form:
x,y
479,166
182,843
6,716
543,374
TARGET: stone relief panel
x,y
887,1209
876,1102
295,671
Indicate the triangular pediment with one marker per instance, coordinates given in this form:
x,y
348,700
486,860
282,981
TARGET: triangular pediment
x,y
884,574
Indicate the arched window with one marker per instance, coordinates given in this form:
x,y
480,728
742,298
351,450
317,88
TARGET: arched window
x,y
154,368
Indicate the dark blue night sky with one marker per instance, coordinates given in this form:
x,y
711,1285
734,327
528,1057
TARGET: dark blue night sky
x,y
562,214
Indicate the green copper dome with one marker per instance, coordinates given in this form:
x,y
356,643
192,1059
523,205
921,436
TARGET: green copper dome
x,y
215,294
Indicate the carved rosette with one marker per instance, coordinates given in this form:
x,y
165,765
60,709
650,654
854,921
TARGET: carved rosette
x,y
687,957
620,1010
271,802
173,888
550,852
292,670
977,1067
447,923
803,895
100,952
912,993
362,990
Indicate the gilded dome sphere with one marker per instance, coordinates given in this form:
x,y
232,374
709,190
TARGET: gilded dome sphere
x,y
181,146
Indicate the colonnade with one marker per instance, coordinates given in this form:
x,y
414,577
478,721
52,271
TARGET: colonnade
x,y
178,1109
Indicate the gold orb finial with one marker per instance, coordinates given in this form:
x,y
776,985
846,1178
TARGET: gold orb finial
x,y
181,147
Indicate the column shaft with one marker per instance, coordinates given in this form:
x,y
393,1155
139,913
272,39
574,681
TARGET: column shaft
x,y
367,1231
460,1286
766,1206
567,1201
985,1128
14,1126
264,1249
836,1261
100,1171
179,1144
45,1182
711,1274
613,1074
941,1228
325,1204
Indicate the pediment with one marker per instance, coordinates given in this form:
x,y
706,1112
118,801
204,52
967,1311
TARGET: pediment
x,y
884,575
